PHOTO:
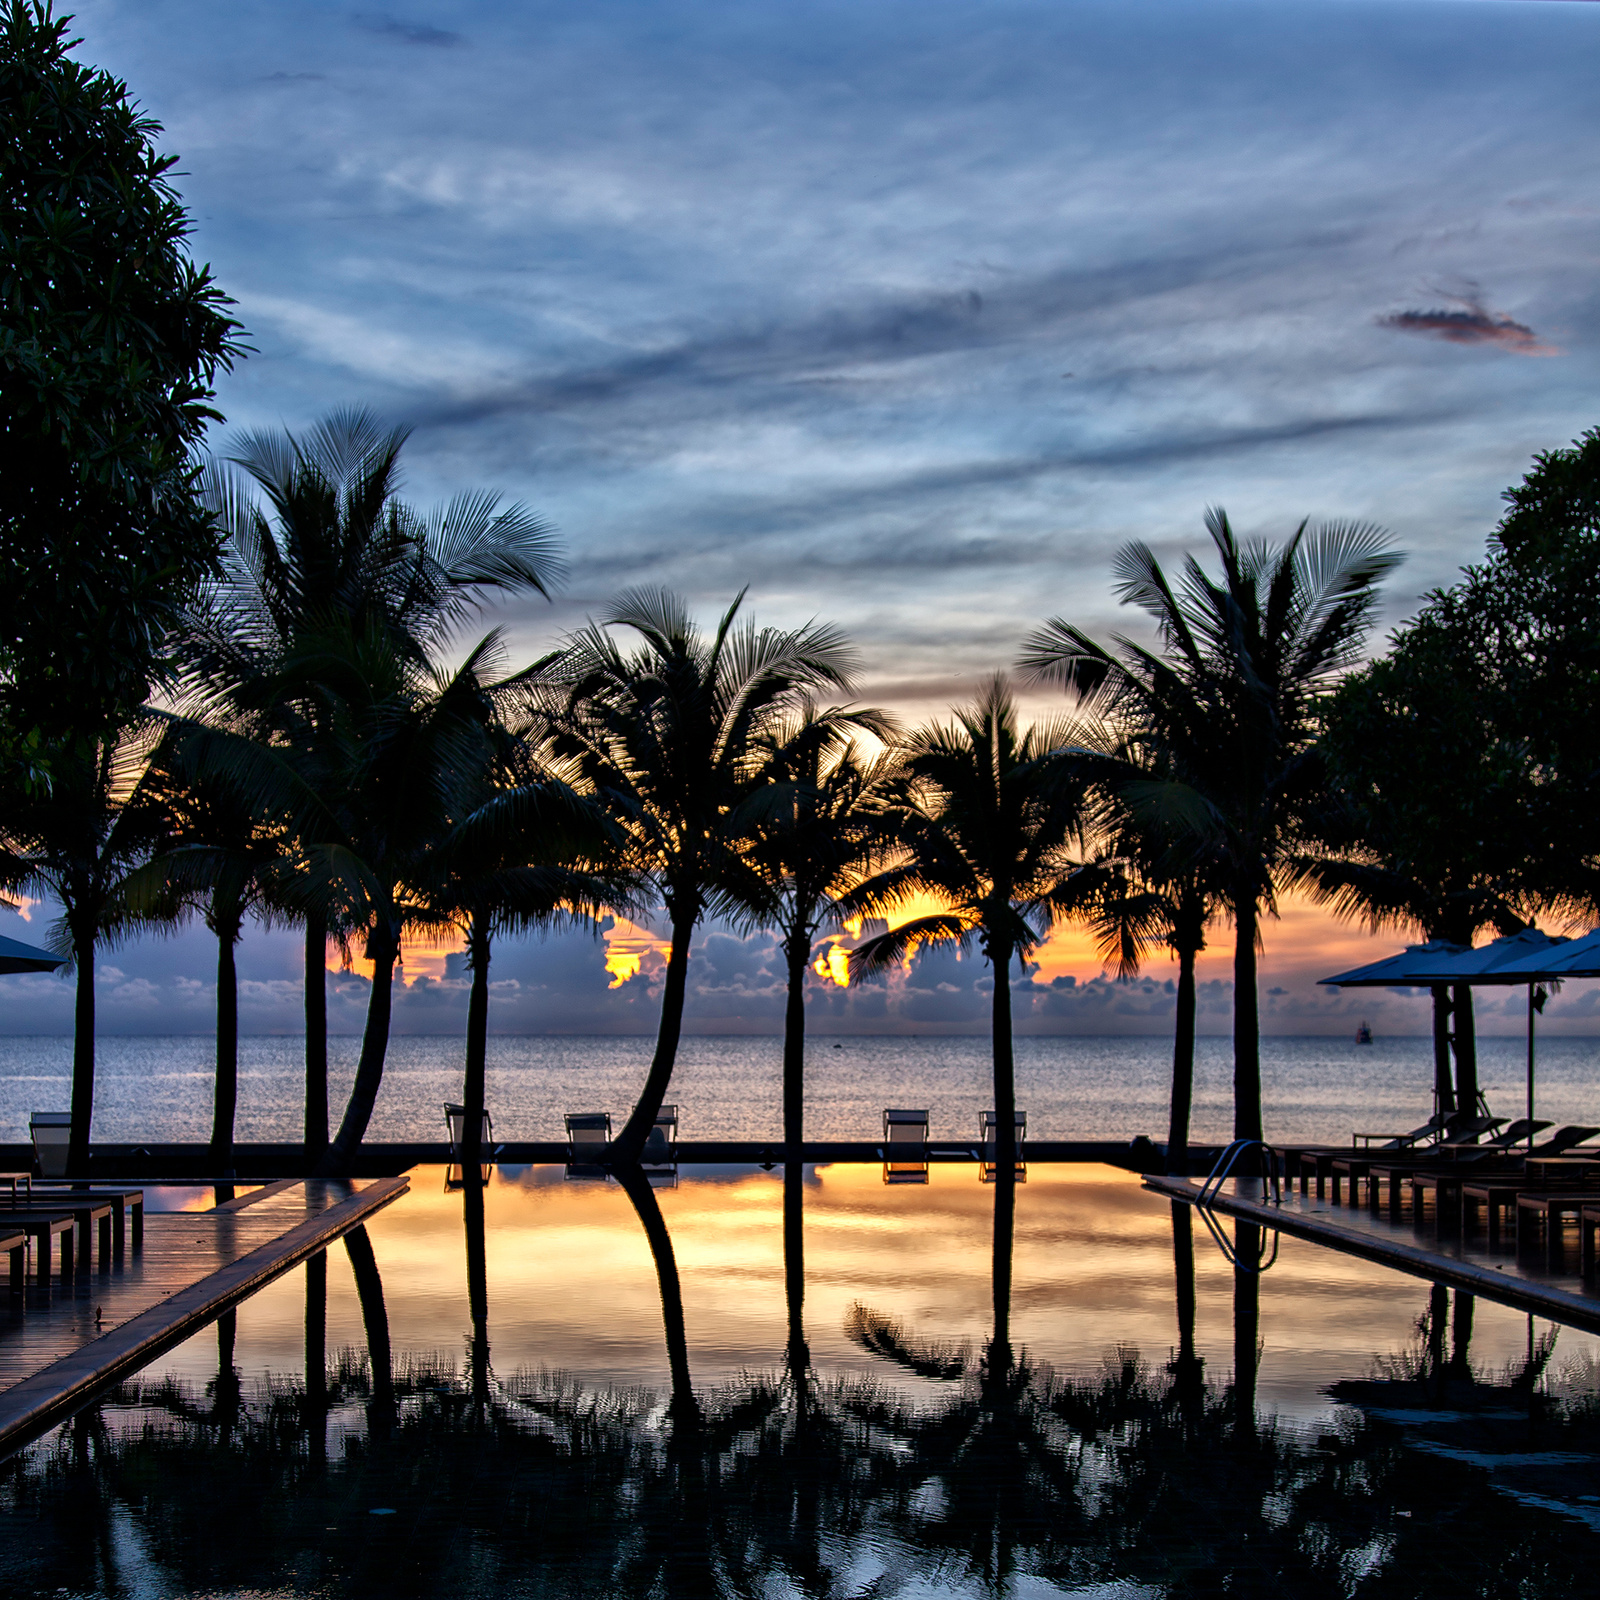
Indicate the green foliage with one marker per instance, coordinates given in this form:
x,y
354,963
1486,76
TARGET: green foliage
x,y
1468,758
110,338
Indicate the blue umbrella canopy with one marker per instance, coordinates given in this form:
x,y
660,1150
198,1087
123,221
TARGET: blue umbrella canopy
x,y
1493,962
1396,971
1575,958
15,956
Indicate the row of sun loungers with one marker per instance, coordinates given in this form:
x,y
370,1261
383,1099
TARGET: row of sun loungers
x,y
66,1229
1457,1175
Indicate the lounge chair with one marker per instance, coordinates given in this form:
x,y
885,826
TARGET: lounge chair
x,y
988,1141
659,1158
51,1132
455,1119
1307,1160
588,1139
905,1145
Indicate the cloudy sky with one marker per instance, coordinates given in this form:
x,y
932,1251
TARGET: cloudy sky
x,y
905,315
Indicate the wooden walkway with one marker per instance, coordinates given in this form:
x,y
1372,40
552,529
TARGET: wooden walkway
x,y
1355,1232
63,1344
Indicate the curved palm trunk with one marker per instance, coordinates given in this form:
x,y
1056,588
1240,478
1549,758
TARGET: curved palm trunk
x,y
1182,1062
82,1058
626,1148
685,1408
316,1037
225,1096
375,1319
1246,1021
384,949
472,1086
1444,1094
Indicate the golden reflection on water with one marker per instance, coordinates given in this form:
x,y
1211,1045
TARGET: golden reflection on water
x,y
572,1286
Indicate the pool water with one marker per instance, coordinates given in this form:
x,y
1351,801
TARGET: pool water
x,y
606,1392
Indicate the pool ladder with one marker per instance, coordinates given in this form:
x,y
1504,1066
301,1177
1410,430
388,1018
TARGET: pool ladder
x,y
1271,1184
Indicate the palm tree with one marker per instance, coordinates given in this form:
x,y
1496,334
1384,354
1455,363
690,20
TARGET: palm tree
x,y
986,812
79,842
224,856
518,858
318,540
674,736
1229,705
825,825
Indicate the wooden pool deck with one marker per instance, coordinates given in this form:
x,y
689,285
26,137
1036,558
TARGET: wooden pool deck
x,y
1496,1275
64,1342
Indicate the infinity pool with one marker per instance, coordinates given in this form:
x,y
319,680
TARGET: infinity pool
x,y
597,1392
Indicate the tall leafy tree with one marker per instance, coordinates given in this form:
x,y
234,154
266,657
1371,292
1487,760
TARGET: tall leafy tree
x,y
1425,830
988,812
110,339
320,547
79,843
675,735
1229,703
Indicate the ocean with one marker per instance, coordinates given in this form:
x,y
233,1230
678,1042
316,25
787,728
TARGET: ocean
x,y
1071,1088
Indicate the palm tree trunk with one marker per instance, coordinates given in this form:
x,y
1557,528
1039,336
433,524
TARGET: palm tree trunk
x,y
1005,1110
1444,1093
685,1408
225,1094
797,949
626,1148
384,949
316,1038
1246,1332
1246,1020
82,1059
1466,1038
477,1286
1182,1064
375,1319
472,1087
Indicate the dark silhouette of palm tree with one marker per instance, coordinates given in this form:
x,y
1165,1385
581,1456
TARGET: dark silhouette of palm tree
x,y
825,827
319,543
79,841
1229,706
673,737
986,812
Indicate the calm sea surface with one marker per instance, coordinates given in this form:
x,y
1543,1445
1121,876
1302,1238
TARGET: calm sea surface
x,y
154,1088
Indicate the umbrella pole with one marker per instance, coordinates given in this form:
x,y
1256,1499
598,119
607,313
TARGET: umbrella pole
x,y
1530,1066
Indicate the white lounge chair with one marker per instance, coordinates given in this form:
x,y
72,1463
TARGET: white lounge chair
x,y
659,1158
588,1139
52,1136
988,1141
905,1145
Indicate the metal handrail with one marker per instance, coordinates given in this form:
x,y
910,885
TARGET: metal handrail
x,y
1212,1187
1230,1254
1224,1165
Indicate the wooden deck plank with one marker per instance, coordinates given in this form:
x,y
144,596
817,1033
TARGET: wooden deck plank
x,y
54,1353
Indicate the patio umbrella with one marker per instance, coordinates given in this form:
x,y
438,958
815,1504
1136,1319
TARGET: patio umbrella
x,y
15,956
1504,961
1401,971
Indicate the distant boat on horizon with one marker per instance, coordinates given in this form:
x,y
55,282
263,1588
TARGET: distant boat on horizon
x,y
1363,1034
